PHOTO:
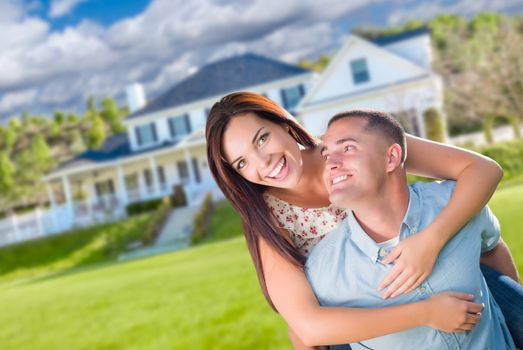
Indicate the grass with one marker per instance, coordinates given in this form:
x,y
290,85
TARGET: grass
x,y
206,297
201,298
225,223
71,249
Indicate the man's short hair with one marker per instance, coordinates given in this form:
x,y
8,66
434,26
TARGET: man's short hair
x,y
382,122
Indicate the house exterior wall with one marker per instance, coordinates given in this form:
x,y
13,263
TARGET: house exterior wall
x,y
196,110
384,69
416,96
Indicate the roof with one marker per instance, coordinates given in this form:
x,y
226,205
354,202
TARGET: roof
x,y
115,147
392,38
218,78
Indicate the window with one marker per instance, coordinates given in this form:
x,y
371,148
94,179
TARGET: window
x,y
104,188
292,96
179,125
360,72
183,170
131,182
196,170
148,177
161,174
146,134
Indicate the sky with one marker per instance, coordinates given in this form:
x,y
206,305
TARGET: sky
x,y
54,54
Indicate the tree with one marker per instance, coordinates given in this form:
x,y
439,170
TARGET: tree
x,y
59,118
111,115
77,144
96,133
7,171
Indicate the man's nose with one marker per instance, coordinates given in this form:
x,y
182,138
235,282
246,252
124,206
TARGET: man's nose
x,y
333,162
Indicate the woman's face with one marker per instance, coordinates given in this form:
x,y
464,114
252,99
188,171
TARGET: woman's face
x,y
262,152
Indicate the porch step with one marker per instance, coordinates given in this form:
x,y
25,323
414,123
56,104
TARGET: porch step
x,y
175,235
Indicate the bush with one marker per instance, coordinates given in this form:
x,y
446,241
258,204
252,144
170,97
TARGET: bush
x,y
508,154
202,220
157,221
142,207
434,125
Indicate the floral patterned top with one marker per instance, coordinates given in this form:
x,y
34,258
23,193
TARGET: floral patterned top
x,y
306,226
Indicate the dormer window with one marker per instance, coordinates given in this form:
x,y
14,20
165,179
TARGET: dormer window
x,y
360,72
292,96
179,125
146,134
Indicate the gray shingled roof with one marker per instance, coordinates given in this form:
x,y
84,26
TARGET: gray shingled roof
x,y
221,77
389,39
115,147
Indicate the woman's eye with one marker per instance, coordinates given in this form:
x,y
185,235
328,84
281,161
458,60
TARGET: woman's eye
x,y
241,164
262,139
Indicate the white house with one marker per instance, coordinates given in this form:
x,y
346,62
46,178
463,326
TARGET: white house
x,y
164,145
392,74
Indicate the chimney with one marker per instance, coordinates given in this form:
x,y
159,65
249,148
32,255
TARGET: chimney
x,y
135,97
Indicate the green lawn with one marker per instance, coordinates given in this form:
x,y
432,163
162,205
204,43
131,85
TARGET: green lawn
x,y
205,297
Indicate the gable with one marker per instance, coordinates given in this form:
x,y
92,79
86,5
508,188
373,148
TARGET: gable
x,y
383,67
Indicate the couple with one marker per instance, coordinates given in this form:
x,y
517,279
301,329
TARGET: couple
x,y
271,170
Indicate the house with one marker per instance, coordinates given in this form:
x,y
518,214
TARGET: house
x,y
392,74
164,145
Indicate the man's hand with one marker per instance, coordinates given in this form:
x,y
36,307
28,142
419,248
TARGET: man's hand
x,y
414,258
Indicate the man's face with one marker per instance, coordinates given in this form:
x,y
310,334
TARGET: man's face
x,y
355,162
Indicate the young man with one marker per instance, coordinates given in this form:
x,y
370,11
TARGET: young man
x,y
365,152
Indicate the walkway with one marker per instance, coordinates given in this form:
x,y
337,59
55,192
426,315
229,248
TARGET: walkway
x,y
175,235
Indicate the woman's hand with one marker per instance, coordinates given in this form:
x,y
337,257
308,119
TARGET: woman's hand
x,y
453,312
414,258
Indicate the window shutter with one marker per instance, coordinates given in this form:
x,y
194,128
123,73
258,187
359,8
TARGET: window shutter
x,y
155,136
187,122
284,98
138,136
171,127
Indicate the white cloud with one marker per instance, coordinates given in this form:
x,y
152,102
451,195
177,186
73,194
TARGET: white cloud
x,y
17,99
60,8
164,44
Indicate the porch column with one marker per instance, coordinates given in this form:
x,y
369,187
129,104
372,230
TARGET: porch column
x,y
52,200
154,173
121,185
188,160
68,196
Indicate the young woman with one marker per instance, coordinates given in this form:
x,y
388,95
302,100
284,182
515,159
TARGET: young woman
x,y
269,168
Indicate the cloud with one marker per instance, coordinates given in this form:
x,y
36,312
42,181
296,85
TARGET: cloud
x,y
17,99
166,42
60,8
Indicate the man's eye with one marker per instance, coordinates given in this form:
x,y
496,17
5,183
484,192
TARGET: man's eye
x,y
325,156
348,148
262,139
241,164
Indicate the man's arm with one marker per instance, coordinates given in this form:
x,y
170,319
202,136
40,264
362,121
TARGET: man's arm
x,y
500,259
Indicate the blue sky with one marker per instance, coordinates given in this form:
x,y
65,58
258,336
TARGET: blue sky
x,y
56,53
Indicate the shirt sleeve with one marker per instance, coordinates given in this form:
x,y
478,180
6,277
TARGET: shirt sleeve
x,y
490,229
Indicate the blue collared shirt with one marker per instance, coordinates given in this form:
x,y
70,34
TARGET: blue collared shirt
x,y
345,268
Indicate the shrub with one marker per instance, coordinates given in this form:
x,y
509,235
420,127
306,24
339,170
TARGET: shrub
x,y
508,154
142,207
157,221
434,125
202,220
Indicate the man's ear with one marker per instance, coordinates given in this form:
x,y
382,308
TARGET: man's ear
x,y
394,156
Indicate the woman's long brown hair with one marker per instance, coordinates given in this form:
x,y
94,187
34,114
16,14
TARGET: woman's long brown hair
x,y
247,197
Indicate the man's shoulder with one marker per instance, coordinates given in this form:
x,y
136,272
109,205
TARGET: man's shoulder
x,y
434,192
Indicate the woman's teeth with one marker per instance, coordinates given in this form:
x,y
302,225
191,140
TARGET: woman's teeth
x,y
278,168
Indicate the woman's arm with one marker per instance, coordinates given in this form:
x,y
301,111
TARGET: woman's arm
x,y
316,325
476,179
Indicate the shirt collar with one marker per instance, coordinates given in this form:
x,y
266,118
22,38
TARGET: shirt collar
x,y
367,245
